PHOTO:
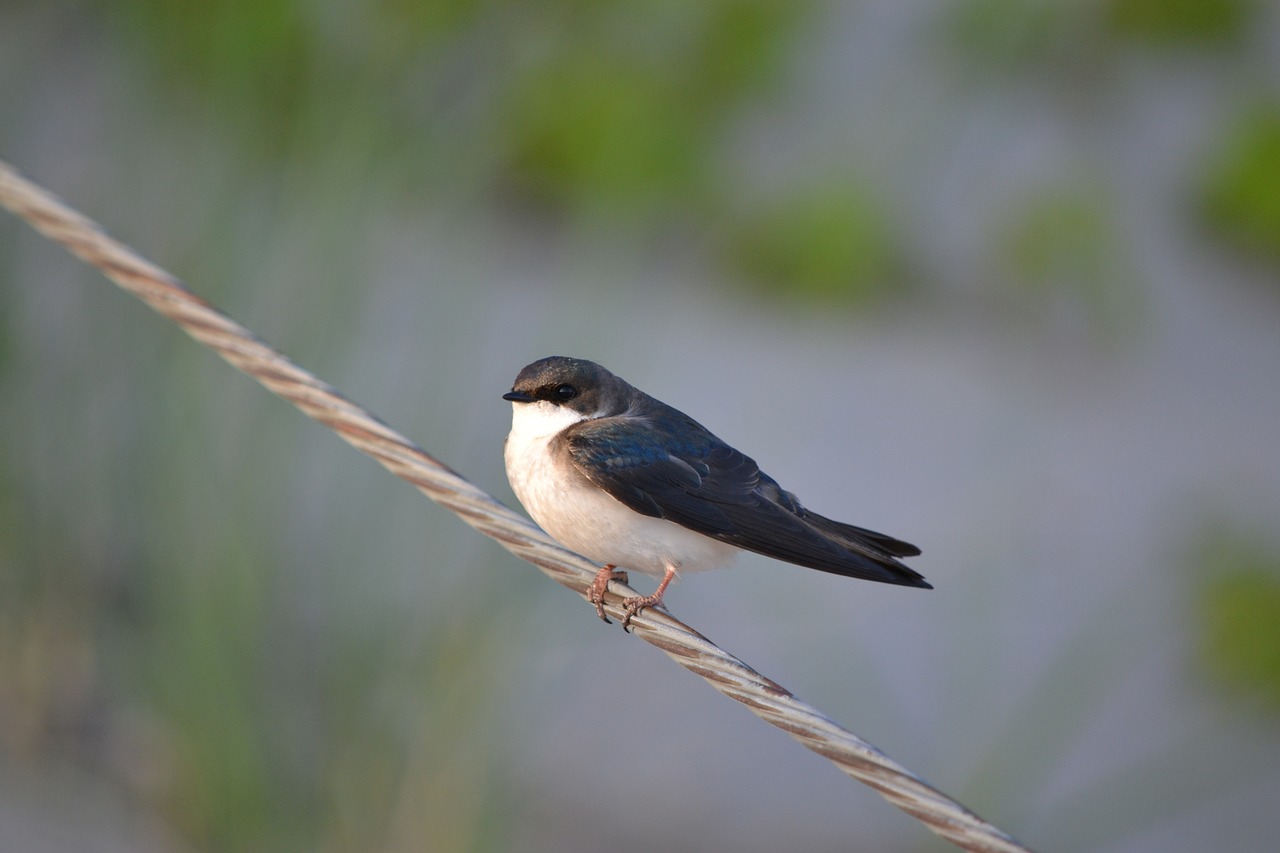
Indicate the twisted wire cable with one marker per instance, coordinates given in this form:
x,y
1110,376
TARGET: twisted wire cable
x,y
237,345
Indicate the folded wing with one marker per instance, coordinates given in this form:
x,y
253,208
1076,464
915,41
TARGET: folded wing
x,y
670,467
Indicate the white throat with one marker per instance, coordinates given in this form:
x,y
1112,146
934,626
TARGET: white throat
x,y
540,420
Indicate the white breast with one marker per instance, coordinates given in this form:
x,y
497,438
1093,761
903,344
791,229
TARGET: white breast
x,y
583,517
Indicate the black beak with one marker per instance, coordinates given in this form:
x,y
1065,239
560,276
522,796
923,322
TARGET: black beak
x,y
517,397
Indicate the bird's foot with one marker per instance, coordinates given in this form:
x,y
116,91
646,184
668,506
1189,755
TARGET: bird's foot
x,y
600,584
637,603
640,602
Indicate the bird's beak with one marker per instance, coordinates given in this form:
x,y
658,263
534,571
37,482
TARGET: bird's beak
x,y
517,397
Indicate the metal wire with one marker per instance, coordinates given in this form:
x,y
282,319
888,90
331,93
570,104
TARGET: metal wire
x,y
318,400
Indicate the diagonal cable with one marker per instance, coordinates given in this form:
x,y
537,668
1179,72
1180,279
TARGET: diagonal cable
x,y
318,400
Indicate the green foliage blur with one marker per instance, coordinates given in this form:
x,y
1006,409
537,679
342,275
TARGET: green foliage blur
x,y
1181,22
608,110
1000,35
1060,245
620,110
1241,191
609,107
1240,609
829,245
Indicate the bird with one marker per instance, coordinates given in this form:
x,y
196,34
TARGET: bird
x,y
628,481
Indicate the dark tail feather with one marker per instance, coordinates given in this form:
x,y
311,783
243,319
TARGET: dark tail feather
x,y
861,538
876,547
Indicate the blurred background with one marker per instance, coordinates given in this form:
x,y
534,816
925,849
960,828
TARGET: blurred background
x,y
998,277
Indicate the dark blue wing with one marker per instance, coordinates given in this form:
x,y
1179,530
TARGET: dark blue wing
x,y
668,466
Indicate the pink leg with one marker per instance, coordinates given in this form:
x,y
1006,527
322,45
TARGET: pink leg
x,y
600,584
640,602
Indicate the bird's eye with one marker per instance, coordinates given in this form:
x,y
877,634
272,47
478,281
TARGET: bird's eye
x,y
566,392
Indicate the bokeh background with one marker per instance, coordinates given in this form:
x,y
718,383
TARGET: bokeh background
x,y
999,277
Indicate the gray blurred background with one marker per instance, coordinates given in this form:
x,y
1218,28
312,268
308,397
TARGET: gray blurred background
x,y
999,277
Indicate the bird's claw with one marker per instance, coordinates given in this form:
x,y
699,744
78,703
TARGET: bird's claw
x,y
637,603
600,585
